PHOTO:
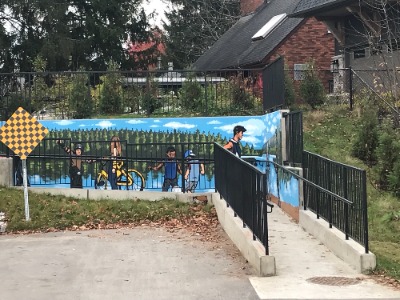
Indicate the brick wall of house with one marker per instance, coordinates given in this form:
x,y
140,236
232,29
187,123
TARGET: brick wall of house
x,y
249,6
310,41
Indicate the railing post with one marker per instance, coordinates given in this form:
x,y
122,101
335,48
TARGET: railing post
x,y
205,92
330,202
351,88
365,209
183,167
265,214
346,206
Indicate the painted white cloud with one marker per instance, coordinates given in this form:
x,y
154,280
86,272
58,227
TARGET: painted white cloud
x,y
105,124
134,121
215,122
65,122
157,121
154,126
178,125
250,140
255,127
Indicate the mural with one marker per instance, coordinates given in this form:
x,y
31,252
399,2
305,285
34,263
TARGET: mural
x,y
280,184
262,138
259,128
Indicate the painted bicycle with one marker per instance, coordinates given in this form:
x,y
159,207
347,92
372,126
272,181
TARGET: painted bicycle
x,y
132,179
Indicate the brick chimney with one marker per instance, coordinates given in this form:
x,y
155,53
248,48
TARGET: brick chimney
x,y
249,6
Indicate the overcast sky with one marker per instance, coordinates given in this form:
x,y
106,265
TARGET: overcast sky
x,y
156,5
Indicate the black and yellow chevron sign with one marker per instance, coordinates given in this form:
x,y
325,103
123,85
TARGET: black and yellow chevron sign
x,y
22,133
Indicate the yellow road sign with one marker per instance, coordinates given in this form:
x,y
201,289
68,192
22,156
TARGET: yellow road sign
x,y
22,133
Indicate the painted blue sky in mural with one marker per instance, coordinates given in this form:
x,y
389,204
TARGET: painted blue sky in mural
x,y
259,128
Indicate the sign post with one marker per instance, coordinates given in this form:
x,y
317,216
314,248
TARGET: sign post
x,y
22,133
25,181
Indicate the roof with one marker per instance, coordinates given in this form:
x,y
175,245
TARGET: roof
x,y
307,8
236,49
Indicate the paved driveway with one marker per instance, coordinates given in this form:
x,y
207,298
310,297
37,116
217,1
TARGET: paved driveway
x,y
139,263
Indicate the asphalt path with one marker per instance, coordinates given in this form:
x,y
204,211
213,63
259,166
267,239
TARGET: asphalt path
x,y
136,263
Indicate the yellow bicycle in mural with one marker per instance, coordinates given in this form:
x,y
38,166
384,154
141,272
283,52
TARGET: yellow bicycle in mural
x,y
132,179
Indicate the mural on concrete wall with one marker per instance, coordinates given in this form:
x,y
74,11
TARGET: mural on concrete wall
x,y
263,137
148,131
217,127
281,184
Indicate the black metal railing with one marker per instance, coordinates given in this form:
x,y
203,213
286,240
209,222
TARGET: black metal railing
x,y
59,95
244,188
274,85
294,138
337,193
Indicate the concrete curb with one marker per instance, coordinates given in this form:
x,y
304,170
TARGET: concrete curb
x,y
348,250
89,194
251,250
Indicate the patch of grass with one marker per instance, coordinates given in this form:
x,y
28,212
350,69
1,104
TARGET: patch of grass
x,y
59,212
331,132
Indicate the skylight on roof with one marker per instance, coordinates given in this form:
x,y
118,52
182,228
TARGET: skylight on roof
x,y
267,28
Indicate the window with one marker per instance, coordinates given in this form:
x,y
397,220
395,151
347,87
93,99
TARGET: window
x,y
376,50
393,46
299,71
267,28
359,53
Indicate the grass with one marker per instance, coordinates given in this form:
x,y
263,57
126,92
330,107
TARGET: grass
x,y
330,132
59,212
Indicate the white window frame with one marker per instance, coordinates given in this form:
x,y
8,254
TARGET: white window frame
x,y
268,27
298,71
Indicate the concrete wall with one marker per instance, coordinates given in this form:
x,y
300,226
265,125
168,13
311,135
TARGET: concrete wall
x,y
6,169
252,250
348,250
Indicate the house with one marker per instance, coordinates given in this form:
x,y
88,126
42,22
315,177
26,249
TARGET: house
x,y
147,55
367,35
263,33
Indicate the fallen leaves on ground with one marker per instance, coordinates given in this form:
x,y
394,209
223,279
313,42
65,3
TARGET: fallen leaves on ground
x,y
382,278
201,223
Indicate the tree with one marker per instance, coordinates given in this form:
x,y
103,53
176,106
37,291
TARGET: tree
x,y
70,34
194,26
311,88
81,101
373,26
110,92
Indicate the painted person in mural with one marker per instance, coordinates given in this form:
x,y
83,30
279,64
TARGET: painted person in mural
x,y
233,144
171,168
194,168
75,165
115,163
19,178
